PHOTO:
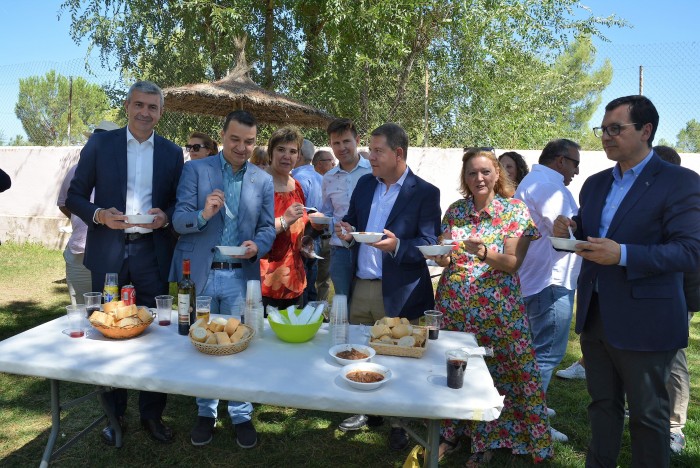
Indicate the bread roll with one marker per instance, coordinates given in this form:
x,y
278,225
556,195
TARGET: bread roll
x,y
401,330
231,326
101,318
407,341
126,311
199,334
239,334
211,339
128,322
199,323
405,321
394,321
111,307
217,325
222,338
386,339
419,336
144,314
378,330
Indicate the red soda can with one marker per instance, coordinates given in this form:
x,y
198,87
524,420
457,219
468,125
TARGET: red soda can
x,y
128,294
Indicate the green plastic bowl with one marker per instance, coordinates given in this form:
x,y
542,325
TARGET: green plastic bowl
x,y
295,333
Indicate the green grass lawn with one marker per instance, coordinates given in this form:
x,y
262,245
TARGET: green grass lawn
x,y
34,292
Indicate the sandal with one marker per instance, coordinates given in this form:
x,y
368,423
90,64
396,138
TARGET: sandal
x,y
479,459
447,447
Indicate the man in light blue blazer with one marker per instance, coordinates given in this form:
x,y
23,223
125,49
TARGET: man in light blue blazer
x,y
640,220
223,200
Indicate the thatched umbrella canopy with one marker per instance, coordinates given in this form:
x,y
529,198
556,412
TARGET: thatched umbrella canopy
x,y
238,91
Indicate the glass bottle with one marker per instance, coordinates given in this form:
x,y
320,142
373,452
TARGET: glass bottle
x,y
186,300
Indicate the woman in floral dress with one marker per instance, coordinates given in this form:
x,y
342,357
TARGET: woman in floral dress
x,y
282,273
479,293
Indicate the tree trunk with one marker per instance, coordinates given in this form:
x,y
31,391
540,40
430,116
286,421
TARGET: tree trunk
x,y
269,39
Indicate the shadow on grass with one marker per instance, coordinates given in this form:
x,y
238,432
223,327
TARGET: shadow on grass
x,y
18,316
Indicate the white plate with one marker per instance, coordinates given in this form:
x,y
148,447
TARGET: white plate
x,y
346,347
429,250
231,250
366,366
325,220
568,245
140,219
368,237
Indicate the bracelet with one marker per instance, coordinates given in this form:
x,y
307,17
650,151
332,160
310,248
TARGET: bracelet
x,y
96,217
283,223
486,252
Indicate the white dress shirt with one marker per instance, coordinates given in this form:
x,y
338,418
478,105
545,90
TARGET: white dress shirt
x,y
139,177
338,185
76,242
546,196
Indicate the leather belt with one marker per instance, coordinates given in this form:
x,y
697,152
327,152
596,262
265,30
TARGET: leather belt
x,y
326,236
224,266
137,236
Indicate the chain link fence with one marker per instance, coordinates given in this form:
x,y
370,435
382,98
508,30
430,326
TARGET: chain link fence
x,y
668,76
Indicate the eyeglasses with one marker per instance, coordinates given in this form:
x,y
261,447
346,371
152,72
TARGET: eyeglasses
x,y
195,147
611,130
575,161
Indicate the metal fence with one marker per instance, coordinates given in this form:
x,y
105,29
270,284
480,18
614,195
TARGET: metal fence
x,y
668,76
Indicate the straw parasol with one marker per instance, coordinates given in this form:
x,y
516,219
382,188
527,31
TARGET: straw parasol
x,y
237,91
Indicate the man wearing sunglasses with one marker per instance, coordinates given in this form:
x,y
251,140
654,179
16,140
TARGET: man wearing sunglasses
x,y
640,219
223,200
548,277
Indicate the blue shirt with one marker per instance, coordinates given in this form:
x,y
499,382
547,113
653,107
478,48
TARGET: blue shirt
x,y
369,259
311,182
622,183
233,182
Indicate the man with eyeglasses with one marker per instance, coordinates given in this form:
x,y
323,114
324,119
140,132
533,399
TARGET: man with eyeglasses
x,y
640,222
548,277
323,161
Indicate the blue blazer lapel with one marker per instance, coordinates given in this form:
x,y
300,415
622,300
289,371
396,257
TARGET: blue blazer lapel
x,y
644,181
593,207
216,180
119,150
404,197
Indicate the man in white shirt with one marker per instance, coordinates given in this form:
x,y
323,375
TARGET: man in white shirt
x,y
132,171
548,277
338,185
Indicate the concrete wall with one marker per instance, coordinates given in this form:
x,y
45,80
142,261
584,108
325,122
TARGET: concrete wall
x,y
28,210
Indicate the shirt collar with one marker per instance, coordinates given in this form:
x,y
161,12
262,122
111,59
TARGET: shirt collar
x,y
362,163
130,136
398,182
225,164
636,170
548,172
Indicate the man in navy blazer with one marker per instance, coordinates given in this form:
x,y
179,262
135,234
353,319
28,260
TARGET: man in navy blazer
x,y
640,220
391,276
223,200
132,171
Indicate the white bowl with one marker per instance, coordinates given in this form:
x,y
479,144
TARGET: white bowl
x,y
140,219
231,250
368,237
569,245
369,351
366,366
325,220
430,250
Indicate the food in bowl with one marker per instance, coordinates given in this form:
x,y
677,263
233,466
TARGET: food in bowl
x,y
367,237
352,354
365,376
345,354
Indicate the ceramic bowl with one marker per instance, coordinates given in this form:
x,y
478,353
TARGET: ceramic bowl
x,y
568,245
366,366
367,237
430,250
230,250
140,219
346,347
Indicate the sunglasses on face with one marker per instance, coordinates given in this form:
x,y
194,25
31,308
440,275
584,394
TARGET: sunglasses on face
x,y
195,147
575,161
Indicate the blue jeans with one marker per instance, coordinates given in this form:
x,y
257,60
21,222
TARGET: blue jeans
x,y
342,270
549,313
227,289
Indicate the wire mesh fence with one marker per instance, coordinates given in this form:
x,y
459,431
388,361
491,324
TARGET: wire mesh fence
x,y
667,76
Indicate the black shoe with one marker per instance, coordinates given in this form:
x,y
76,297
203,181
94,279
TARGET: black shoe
x,y
157,430
246,435
202,433
108,435
357,422
398,438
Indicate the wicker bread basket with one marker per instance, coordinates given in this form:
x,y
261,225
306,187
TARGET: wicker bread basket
x,y
389,349
119,333
225,349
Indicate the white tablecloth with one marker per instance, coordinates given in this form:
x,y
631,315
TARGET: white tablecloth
x,y
269,371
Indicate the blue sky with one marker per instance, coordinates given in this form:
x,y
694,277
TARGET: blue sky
x,y
33,33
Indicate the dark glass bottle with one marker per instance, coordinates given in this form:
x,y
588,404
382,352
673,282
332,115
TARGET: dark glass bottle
x,y
185,300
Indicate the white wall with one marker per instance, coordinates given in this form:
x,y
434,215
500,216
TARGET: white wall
x,y
28,210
